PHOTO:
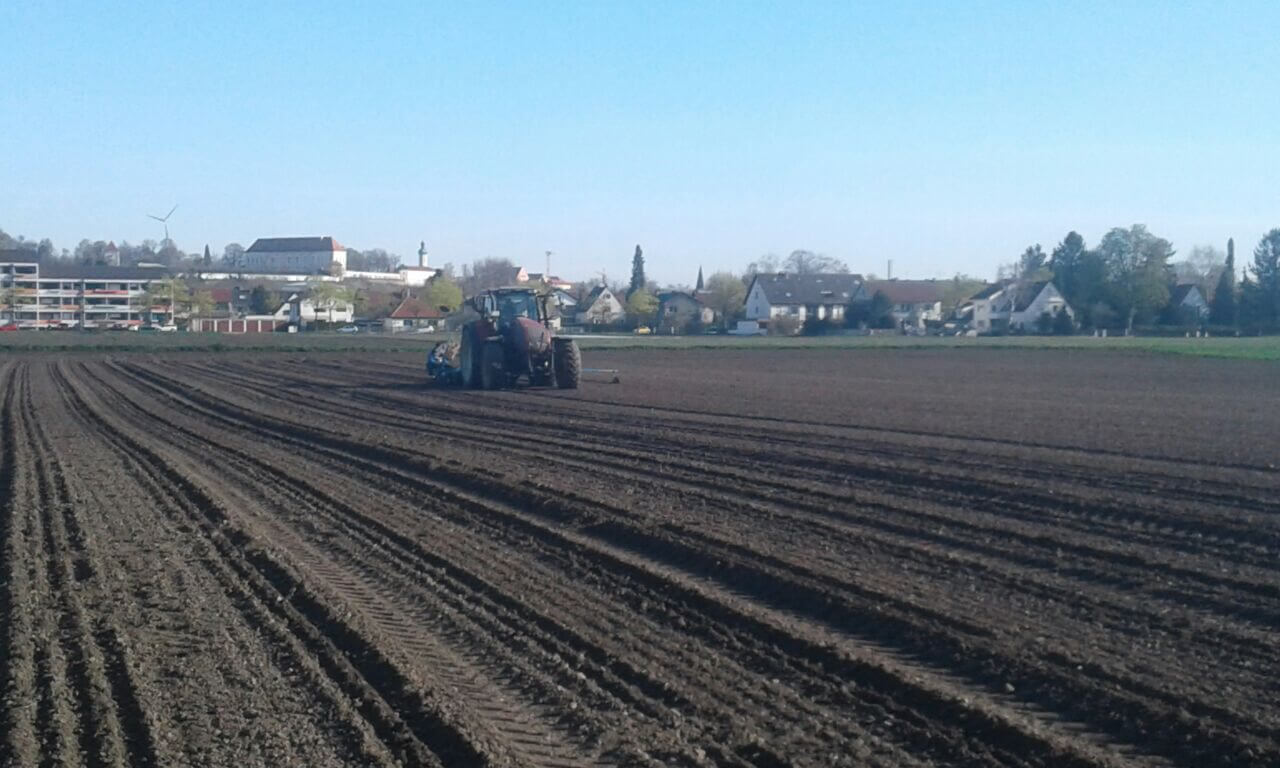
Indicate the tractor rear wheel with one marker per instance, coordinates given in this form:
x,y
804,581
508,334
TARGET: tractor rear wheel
x,y
568,363
492,375
469,359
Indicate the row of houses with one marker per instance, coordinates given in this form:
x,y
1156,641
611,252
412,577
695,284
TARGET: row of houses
x,y
72,296
1001,307
56,296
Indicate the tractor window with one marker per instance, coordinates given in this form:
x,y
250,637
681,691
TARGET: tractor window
x,y
516,305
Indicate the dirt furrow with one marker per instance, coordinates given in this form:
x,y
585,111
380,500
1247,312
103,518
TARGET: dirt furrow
x,y
753,560
516,582
315,439
1121,650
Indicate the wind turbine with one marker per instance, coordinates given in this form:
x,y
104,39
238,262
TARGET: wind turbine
x,y
164,221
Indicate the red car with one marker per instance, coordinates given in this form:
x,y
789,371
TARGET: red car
x,y
8,327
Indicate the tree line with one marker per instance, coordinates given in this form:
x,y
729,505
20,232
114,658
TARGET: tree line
x,y
1123,282
1128,278
167,253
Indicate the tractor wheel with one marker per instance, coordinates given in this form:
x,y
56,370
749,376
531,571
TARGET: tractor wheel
x,y
491,374
568,363
469,359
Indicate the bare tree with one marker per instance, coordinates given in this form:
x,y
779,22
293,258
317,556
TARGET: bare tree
x,y
488,273
808,262
763,265
1203,266
233,256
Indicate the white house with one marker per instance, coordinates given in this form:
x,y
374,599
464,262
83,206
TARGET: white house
x,y
679,310
800,297
1012,306
305,255
418,274
600,307
913,302
298,308
1187,300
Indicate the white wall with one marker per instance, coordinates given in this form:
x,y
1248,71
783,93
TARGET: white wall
x,y
758,307
1048,300
606,309
303,261
342,313
1195,301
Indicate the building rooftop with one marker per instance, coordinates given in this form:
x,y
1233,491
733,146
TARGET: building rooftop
x,y
416,309
818,288
908,291
294,245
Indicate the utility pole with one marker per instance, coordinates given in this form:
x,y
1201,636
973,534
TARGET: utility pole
x,y
547,275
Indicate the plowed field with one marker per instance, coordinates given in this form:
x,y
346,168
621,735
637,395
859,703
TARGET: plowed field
x,y
745,558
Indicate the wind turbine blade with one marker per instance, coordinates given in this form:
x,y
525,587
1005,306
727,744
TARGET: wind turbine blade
x,y
157,218
170,213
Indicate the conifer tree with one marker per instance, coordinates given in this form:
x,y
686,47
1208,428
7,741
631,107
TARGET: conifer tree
x,y
637,272
1223,309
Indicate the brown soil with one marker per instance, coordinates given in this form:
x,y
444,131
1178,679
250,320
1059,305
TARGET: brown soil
x,y
730,558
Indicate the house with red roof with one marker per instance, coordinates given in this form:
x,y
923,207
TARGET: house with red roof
x,y
413,314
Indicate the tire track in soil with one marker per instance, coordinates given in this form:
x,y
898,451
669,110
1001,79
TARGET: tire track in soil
x,y
749,750
1099,672
68,729
1061,511
784,434
16,638
594,457
393,708
116,731
670,564
1200,709
285,480
353,733
350,459
533,741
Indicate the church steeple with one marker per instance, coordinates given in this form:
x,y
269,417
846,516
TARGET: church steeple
x,y
699,286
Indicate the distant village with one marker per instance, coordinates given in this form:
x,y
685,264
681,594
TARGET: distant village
x,y
296,284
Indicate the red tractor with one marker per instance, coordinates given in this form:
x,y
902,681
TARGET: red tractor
x,y
511,339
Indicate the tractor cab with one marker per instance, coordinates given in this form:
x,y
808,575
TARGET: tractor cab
x,y
504,306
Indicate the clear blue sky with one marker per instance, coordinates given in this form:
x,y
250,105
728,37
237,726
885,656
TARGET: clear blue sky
x,y
946,136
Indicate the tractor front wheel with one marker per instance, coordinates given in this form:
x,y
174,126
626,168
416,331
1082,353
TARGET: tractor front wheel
x,y
568,363
491,364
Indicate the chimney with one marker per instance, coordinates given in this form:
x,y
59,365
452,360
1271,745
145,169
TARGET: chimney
x,y
888,273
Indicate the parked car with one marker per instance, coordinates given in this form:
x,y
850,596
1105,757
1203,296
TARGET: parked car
x,y
349,329
9,327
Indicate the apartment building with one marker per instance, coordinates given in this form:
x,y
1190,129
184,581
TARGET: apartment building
x,y
36,296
